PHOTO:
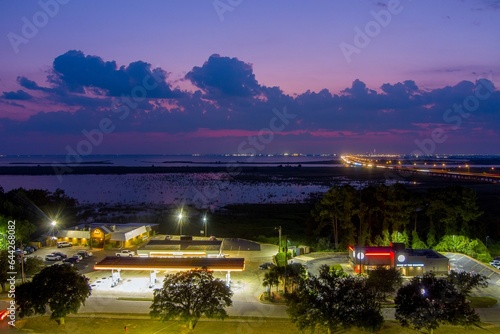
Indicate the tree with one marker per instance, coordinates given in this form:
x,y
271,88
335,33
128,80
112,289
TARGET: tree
x,y
335,210
23,229
462,244
190,294
416,243
464,281
32,265
61,288
35,206
384,280
271,278
428,301
329,212
332,301
4,268
452,209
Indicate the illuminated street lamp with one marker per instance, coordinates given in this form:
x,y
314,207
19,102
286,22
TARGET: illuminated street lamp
x,y
205,223
53,228
180,222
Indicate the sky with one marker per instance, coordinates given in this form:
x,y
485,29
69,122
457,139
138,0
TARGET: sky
x,y
249,77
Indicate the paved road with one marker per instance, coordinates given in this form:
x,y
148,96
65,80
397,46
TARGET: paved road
x,y
240,308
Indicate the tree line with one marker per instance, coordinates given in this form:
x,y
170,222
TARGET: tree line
x,y
33,210
378,215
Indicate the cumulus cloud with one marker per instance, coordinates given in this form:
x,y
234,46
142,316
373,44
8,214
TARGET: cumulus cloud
x,y
19,95
225,76
75,71
30,84
231,102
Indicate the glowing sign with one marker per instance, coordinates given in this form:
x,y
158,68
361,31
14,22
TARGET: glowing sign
x,y
401,258
409,265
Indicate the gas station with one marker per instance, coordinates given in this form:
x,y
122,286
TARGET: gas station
x,y
172,255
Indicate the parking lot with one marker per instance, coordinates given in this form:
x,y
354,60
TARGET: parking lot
x,y
84,266
463,262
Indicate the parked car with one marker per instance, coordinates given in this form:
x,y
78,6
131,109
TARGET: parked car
x,y
79,257
52,257
61,255
71,260
62,244
125,252
19,251
28,249
267,265
84,253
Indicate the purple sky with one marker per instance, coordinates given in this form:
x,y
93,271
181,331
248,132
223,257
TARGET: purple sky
x,y
249,76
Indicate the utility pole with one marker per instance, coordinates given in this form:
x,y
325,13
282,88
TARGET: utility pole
x,y
279,238
23,277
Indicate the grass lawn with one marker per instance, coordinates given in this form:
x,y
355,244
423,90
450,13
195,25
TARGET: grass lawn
x,y
95,325
482,302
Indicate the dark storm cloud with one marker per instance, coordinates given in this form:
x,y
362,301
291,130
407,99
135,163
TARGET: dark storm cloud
x,y
19,95
232,99
221,76
75,71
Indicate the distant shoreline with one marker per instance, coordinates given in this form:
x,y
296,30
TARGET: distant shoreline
x,y
187,162
220,168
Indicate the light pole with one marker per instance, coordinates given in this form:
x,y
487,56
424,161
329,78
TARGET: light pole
x,y
206,225
487,237
279,238
54,226
180,223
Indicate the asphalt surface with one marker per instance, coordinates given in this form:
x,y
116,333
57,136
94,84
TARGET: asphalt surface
x,y
463,262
